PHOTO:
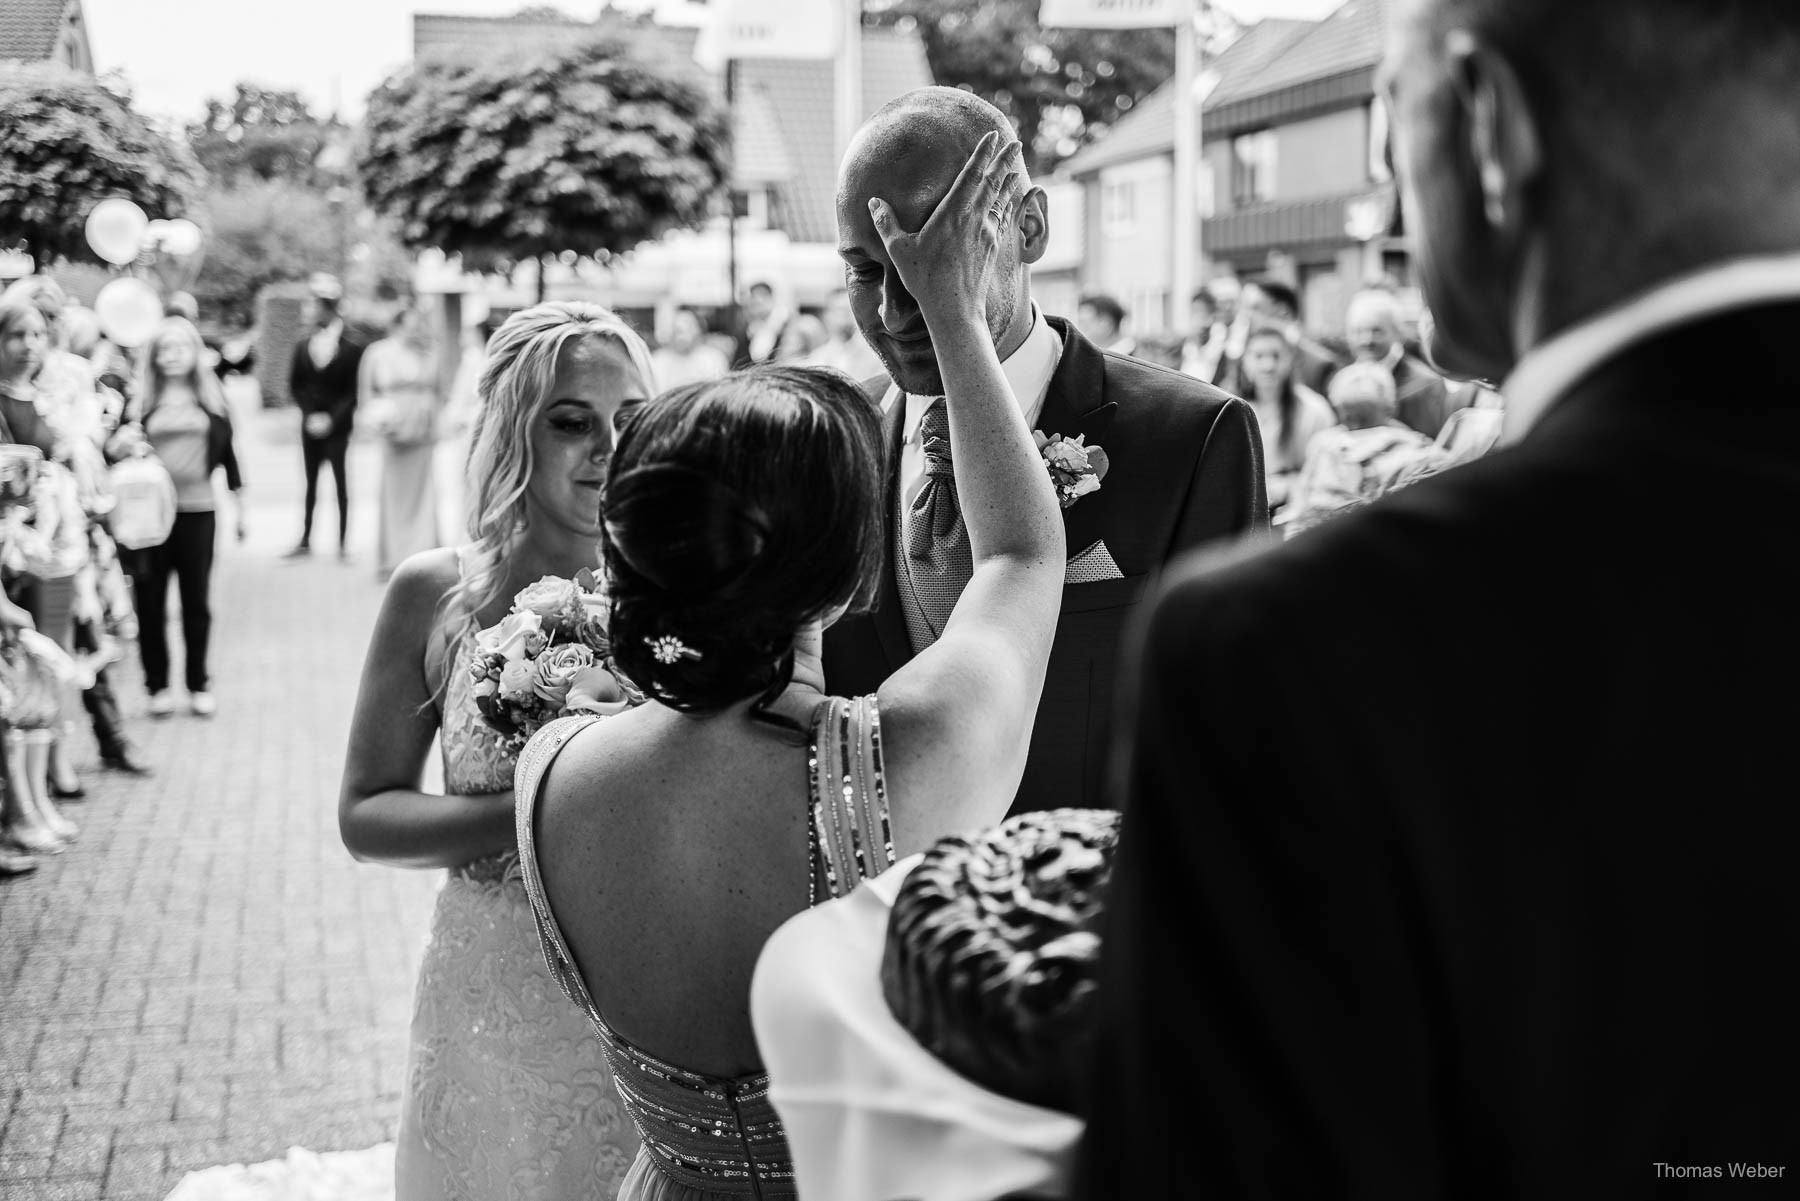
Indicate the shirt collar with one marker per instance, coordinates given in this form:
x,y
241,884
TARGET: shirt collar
x,y
1551,369
1028,370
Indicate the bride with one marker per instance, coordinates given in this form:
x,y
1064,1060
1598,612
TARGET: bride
x,y
507,1094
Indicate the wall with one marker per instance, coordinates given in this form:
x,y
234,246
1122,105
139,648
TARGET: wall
x,y
1132,258
1056,292
1323,156
1215,158
1065,204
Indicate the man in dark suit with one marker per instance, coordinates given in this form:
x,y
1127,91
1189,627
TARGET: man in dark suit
x,y
1184,470
322,381
1468,817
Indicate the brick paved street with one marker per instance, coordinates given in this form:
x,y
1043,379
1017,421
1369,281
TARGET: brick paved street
x,y
206,976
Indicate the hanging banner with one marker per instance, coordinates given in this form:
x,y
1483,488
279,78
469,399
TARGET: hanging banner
x,y
769,29
1113,14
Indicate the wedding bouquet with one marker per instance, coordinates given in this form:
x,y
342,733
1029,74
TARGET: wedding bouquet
x,y
548,658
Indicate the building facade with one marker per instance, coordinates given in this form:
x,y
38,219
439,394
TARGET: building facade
x,y
1293,178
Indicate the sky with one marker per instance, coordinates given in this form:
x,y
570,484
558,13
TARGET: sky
x,y
177,53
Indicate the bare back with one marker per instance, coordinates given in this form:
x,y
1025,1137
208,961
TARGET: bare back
x,y
671,848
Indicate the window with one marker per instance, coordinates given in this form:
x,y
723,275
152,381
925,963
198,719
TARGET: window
x,y
1253,157
1118,207
1146,309
751,207
1206,189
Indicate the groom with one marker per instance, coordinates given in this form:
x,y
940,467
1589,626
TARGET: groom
x,y
1183,459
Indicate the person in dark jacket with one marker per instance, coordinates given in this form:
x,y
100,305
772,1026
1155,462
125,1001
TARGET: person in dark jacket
x,y
1183,461
1458,849
322,381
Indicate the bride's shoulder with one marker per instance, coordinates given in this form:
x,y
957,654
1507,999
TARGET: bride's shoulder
x,y
421,581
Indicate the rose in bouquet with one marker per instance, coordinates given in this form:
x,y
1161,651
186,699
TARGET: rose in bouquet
x,y
548,658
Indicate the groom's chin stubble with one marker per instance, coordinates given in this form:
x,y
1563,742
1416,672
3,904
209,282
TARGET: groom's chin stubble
x,y
915,377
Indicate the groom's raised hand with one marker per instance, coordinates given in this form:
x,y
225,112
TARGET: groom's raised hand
x,y
947,262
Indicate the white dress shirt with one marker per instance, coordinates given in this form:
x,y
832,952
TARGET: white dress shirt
x,y
1551,369
323,345
1027,369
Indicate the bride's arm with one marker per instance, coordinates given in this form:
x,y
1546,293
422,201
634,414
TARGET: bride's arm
x,y
959,715
382,815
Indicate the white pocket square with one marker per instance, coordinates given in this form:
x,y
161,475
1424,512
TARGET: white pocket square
x,y
1092,565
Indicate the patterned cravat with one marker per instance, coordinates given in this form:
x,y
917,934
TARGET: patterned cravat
x,y
934,561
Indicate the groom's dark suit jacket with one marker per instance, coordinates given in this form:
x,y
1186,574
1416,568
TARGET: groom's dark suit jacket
x,y
1185,471
1458,860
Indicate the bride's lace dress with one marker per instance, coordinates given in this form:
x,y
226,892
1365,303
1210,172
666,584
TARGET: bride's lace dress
x,y
508,1094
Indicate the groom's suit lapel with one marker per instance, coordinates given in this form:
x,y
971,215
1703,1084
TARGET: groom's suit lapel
x,y
889,618
1076,406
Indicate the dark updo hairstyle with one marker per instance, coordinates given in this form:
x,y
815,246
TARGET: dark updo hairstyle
x,y
737,510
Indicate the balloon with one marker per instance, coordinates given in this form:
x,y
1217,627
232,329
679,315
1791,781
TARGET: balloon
x,y
116,229
181,237
155,232
128,310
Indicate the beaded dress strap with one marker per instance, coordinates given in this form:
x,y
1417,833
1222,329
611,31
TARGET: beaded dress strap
x,y
534,761
848,827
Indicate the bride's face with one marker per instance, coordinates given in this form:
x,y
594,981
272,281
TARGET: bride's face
x,y
572,435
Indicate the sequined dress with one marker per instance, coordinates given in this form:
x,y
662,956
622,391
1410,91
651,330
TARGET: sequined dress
x,y
707,1137
507,1094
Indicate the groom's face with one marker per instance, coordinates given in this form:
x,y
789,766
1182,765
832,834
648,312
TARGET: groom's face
x,y
914,181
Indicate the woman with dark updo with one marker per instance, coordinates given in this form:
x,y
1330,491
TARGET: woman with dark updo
x,y
742,517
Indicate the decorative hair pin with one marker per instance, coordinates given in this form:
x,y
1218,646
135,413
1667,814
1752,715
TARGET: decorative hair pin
x,y
668,649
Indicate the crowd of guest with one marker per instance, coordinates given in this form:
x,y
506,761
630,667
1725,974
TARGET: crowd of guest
x,y
108,456
1249,339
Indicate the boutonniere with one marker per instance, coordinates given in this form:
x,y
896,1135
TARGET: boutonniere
x,y
1075,467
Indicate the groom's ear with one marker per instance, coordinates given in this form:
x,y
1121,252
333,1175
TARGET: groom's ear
x,y
1034,226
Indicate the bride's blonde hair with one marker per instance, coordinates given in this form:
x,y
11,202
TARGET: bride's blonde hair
x,y
515,384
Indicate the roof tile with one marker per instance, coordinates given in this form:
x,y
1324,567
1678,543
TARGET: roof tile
x,y
29,28
1354,35
1149,128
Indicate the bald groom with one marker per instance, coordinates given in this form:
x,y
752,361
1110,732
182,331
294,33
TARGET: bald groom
x,y
1184,461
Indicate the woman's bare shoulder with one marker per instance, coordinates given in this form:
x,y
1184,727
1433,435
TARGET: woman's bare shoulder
x,y
421,582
